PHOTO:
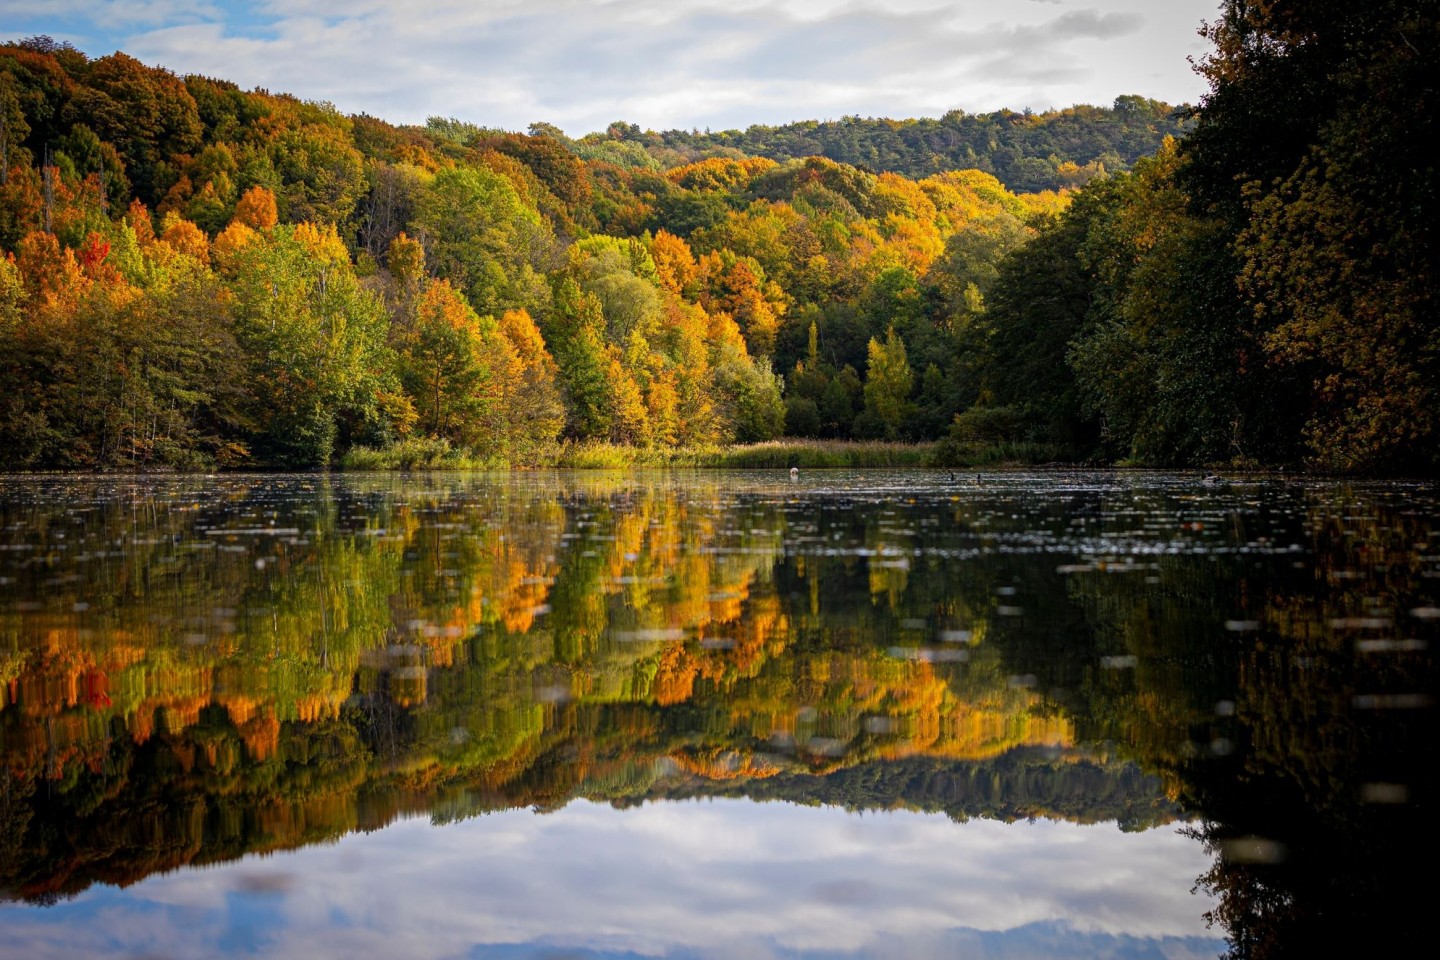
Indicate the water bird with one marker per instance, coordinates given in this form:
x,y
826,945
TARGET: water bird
x,y
1210,479
794,473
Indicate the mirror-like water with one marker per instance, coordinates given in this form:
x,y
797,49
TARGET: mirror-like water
x,y
869,713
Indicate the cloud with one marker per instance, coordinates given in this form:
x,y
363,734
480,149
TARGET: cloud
x,y
738,877
109,14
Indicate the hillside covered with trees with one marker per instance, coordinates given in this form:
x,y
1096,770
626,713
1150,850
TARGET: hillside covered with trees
x,y
196,275
1025,151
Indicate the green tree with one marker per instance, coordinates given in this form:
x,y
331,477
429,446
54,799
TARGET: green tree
x,y
888,382
1040,302
574,332
620,274
321,176
315,340
1161,360
481,236
747,396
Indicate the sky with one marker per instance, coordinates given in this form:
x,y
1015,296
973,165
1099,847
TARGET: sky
x,y
662,64
698,879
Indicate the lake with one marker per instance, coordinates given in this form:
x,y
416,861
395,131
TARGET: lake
x,y
710,714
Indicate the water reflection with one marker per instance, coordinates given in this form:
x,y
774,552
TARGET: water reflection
x,y
197,669
723,878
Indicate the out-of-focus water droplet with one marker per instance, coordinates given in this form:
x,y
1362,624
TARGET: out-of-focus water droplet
x,y
825,747
1390,646
1361,623
555,693
879,725
1384,793
1391,701
1252,850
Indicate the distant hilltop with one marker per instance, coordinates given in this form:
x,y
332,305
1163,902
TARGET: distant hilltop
x,y
1025,151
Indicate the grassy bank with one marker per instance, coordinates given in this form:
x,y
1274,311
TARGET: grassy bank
x,y
419,454
438,455
773,454
590,455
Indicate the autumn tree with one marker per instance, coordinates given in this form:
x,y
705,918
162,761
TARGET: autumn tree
x,y
145,112
1311,144
888,382
534,408
315,341
456,366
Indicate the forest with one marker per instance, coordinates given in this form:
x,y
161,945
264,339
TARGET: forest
x,y
198,277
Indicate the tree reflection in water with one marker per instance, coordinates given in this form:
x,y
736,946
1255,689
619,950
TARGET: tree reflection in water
x,y
192,669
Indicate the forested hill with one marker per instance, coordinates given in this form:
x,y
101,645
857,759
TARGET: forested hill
x,y
198,275
1025,151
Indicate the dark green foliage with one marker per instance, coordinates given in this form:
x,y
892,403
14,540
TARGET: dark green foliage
x,y
1023,150
155,383
574,332
684,213
1313,147
1040,303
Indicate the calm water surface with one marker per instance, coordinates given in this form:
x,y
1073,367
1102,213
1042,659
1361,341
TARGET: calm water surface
x,y
715,714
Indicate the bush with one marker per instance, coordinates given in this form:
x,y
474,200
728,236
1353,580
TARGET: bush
x,y
802,417
989,425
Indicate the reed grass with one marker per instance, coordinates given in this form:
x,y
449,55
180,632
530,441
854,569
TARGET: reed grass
x,y
996,453
421,453
433,454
